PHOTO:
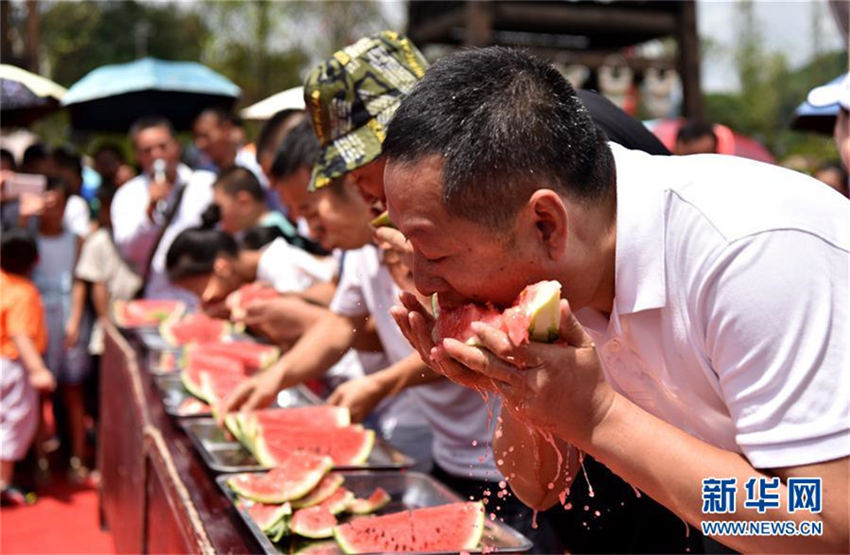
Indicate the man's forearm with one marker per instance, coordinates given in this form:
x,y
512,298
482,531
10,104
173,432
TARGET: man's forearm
x,y
533,461
408,372
669,465
317,350
78,301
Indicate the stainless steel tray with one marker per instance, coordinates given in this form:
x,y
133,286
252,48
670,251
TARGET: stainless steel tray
x,y
224,454
174,395
164,361
408,490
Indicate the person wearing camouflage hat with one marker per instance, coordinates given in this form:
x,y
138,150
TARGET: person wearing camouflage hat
x,y
350,98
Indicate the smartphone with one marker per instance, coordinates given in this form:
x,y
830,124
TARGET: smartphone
x,y
19,183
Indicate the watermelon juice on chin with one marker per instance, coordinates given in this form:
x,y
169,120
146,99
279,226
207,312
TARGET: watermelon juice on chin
x,y
534,316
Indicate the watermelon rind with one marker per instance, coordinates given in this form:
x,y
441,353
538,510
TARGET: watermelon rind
x,y
541,302
322,491
374,502
281,529
196,389
295,491
343,534
231,422
276,518
339,501
298,526
119,307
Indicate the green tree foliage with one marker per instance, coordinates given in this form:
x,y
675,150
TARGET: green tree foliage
x,y
78,37
770,91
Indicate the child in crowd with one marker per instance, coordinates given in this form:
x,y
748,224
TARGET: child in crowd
x,y
23,339
102,268
67,322
242,204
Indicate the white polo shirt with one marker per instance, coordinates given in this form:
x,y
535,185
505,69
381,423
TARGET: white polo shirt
x,y
461,422
135,233
731,305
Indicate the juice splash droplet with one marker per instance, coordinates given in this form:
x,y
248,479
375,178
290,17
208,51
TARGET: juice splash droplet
x,y
586,507
503,484
474,442
597,513
550,486
534,519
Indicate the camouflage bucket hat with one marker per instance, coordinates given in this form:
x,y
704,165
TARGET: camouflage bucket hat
x,y
351,97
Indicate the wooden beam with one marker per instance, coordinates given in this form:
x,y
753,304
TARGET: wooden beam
x,y
438,29
479,23
582,18
688,58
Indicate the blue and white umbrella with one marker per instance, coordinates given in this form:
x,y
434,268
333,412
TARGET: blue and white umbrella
x,y
25,96
818,117
112,97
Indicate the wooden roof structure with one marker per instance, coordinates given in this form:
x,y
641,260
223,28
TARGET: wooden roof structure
x,y
579,31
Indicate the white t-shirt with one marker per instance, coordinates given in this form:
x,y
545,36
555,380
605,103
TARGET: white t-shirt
x,y
76,216
135,233
461,421
730,316
289,268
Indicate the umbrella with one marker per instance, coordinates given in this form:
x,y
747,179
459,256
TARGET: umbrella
x,y
290,99
26,96
112,97
817,118
728,141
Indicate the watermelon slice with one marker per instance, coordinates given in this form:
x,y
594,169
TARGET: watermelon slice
x,y
349,446
198,364
535,316
145,312
193,328
314,522
455,527
265,515
377,500
326,488
294,477
215,387
252,355
192,407
338,502
274,420
239,300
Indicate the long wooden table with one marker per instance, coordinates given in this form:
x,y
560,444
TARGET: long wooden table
x,y
156,494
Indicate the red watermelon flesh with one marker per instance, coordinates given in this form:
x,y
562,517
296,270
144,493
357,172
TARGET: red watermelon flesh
x,y
145,312
253,355
535,315
265,515
326,488
295,476
275,420
314,522
196,327
454,527
217,386
377,500
240,299
198,364
349,446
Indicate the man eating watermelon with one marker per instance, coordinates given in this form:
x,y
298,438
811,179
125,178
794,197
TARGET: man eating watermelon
x,y
704,337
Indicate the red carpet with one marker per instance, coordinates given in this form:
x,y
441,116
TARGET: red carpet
x,y
63,520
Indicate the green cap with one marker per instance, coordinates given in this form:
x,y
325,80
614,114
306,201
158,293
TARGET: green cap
x,y
351,97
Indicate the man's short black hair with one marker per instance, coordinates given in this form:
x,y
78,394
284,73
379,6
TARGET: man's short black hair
x,y
18,251
67,158
692,130
34,154
221,115
506,123
147,122
9,158
271,134
236,179
299,149
111,147
194,250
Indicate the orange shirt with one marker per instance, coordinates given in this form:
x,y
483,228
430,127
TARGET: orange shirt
x,y
21,312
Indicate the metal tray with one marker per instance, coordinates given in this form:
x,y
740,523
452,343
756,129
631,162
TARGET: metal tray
x,y
223,454
408,490
164,361
174,395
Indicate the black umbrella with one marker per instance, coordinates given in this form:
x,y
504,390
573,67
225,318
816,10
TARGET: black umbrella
x,y
112,97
